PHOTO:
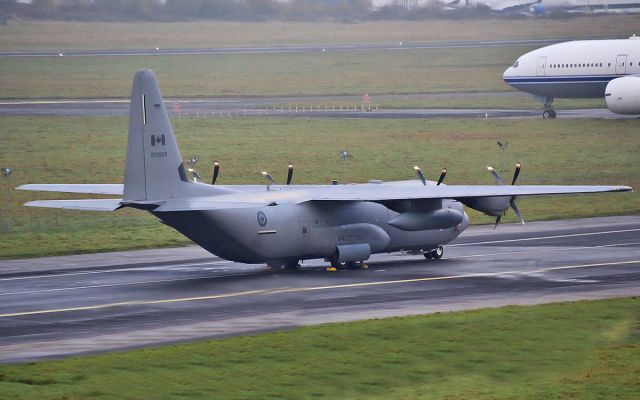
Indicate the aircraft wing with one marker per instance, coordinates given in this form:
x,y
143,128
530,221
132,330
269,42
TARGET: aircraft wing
x,y
380,193
259,196
84,205
388,192
92,188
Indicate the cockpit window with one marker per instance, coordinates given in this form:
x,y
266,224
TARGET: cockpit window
x,y
515,64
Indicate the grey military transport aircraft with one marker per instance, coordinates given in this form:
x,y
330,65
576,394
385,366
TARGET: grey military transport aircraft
x,y
282,224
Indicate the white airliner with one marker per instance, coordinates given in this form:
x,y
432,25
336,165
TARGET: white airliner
x,y
497,6
581,69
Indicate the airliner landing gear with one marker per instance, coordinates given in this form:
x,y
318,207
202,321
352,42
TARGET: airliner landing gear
x,y
549,112
435,254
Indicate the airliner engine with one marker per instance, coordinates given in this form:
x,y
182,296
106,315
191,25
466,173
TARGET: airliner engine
x,y
623,95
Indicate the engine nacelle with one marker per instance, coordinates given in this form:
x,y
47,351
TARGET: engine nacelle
x,y
443,218
493,206
623,95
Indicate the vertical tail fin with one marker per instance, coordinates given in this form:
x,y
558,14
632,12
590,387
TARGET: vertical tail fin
x,y
154,168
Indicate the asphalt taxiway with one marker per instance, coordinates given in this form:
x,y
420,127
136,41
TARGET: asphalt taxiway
x,y
276,49
61,306
325,107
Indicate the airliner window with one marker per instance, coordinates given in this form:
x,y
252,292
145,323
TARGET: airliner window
x,y
515,64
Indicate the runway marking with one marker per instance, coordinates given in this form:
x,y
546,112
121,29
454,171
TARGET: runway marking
x,y
439,278
541,251
123,284
544,237
107,271
130,303
316,288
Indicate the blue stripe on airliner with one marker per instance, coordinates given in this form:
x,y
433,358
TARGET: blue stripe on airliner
x,y
561,79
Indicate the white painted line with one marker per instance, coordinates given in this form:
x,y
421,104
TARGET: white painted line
x,y
107,271
544,237
541,251
122,284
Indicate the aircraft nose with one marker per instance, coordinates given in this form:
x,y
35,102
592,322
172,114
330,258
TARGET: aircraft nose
x,y
508,73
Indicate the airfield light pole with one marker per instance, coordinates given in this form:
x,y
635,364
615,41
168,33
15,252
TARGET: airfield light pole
x,y
6,173
344,154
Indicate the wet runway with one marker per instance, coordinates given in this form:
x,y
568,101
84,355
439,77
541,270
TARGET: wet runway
x,y
275,49
60,306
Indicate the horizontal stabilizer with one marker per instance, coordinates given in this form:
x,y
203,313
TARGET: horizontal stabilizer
x,y
91,188
86,205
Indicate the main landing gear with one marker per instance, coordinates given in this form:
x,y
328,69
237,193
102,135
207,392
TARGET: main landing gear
x,y
434,254
336,265
549,112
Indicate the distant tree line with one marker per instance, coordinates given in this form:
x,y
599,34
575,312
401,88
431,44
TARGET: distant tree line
x,y
233,10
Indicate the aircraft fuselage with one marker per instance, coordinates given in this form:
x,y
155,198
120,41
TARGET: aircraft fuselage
x,y
291,232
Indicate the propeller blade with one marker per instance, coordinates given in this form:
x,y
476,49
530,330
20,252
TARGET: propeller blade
x,y
216,169
269,178
515,208
290,174
516,173
493,172
497,222
442,175
420,174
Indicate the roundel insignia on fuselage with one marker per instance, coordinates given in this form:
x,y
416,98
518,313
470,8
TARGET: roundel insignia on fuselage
x,y
262,218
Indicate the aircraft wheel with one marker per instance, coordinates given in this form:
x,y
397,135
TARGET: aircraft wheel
x,y
552,114
339,264
427,254
356,264
546,114
437,253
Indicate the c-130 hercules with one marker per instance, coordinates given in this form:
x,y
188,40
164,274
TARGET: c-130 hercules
x,y
280,225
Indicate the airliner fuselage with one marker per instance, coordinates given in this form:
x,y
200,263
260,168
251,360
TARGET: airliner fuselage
x,y
578,69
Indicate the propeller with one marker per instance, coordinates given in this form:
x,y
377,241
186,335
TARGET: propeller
x,y
422,178
216,170
512,200
442,175
290,174
269,178
420,174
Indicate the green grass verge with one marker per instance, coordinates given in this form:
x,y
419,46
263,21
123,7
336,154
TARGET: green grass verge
x,y
582,350
92,150
406,71
101,35
379,71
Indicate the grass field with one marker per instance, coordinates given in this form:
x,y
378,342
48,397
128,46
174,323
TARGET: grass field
x,y
96,35
85,150
353,73
583,350
406,71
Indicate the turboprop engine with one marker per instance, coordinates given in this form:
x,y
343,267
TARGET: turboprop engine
x,y
623,95
443,218
496,206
